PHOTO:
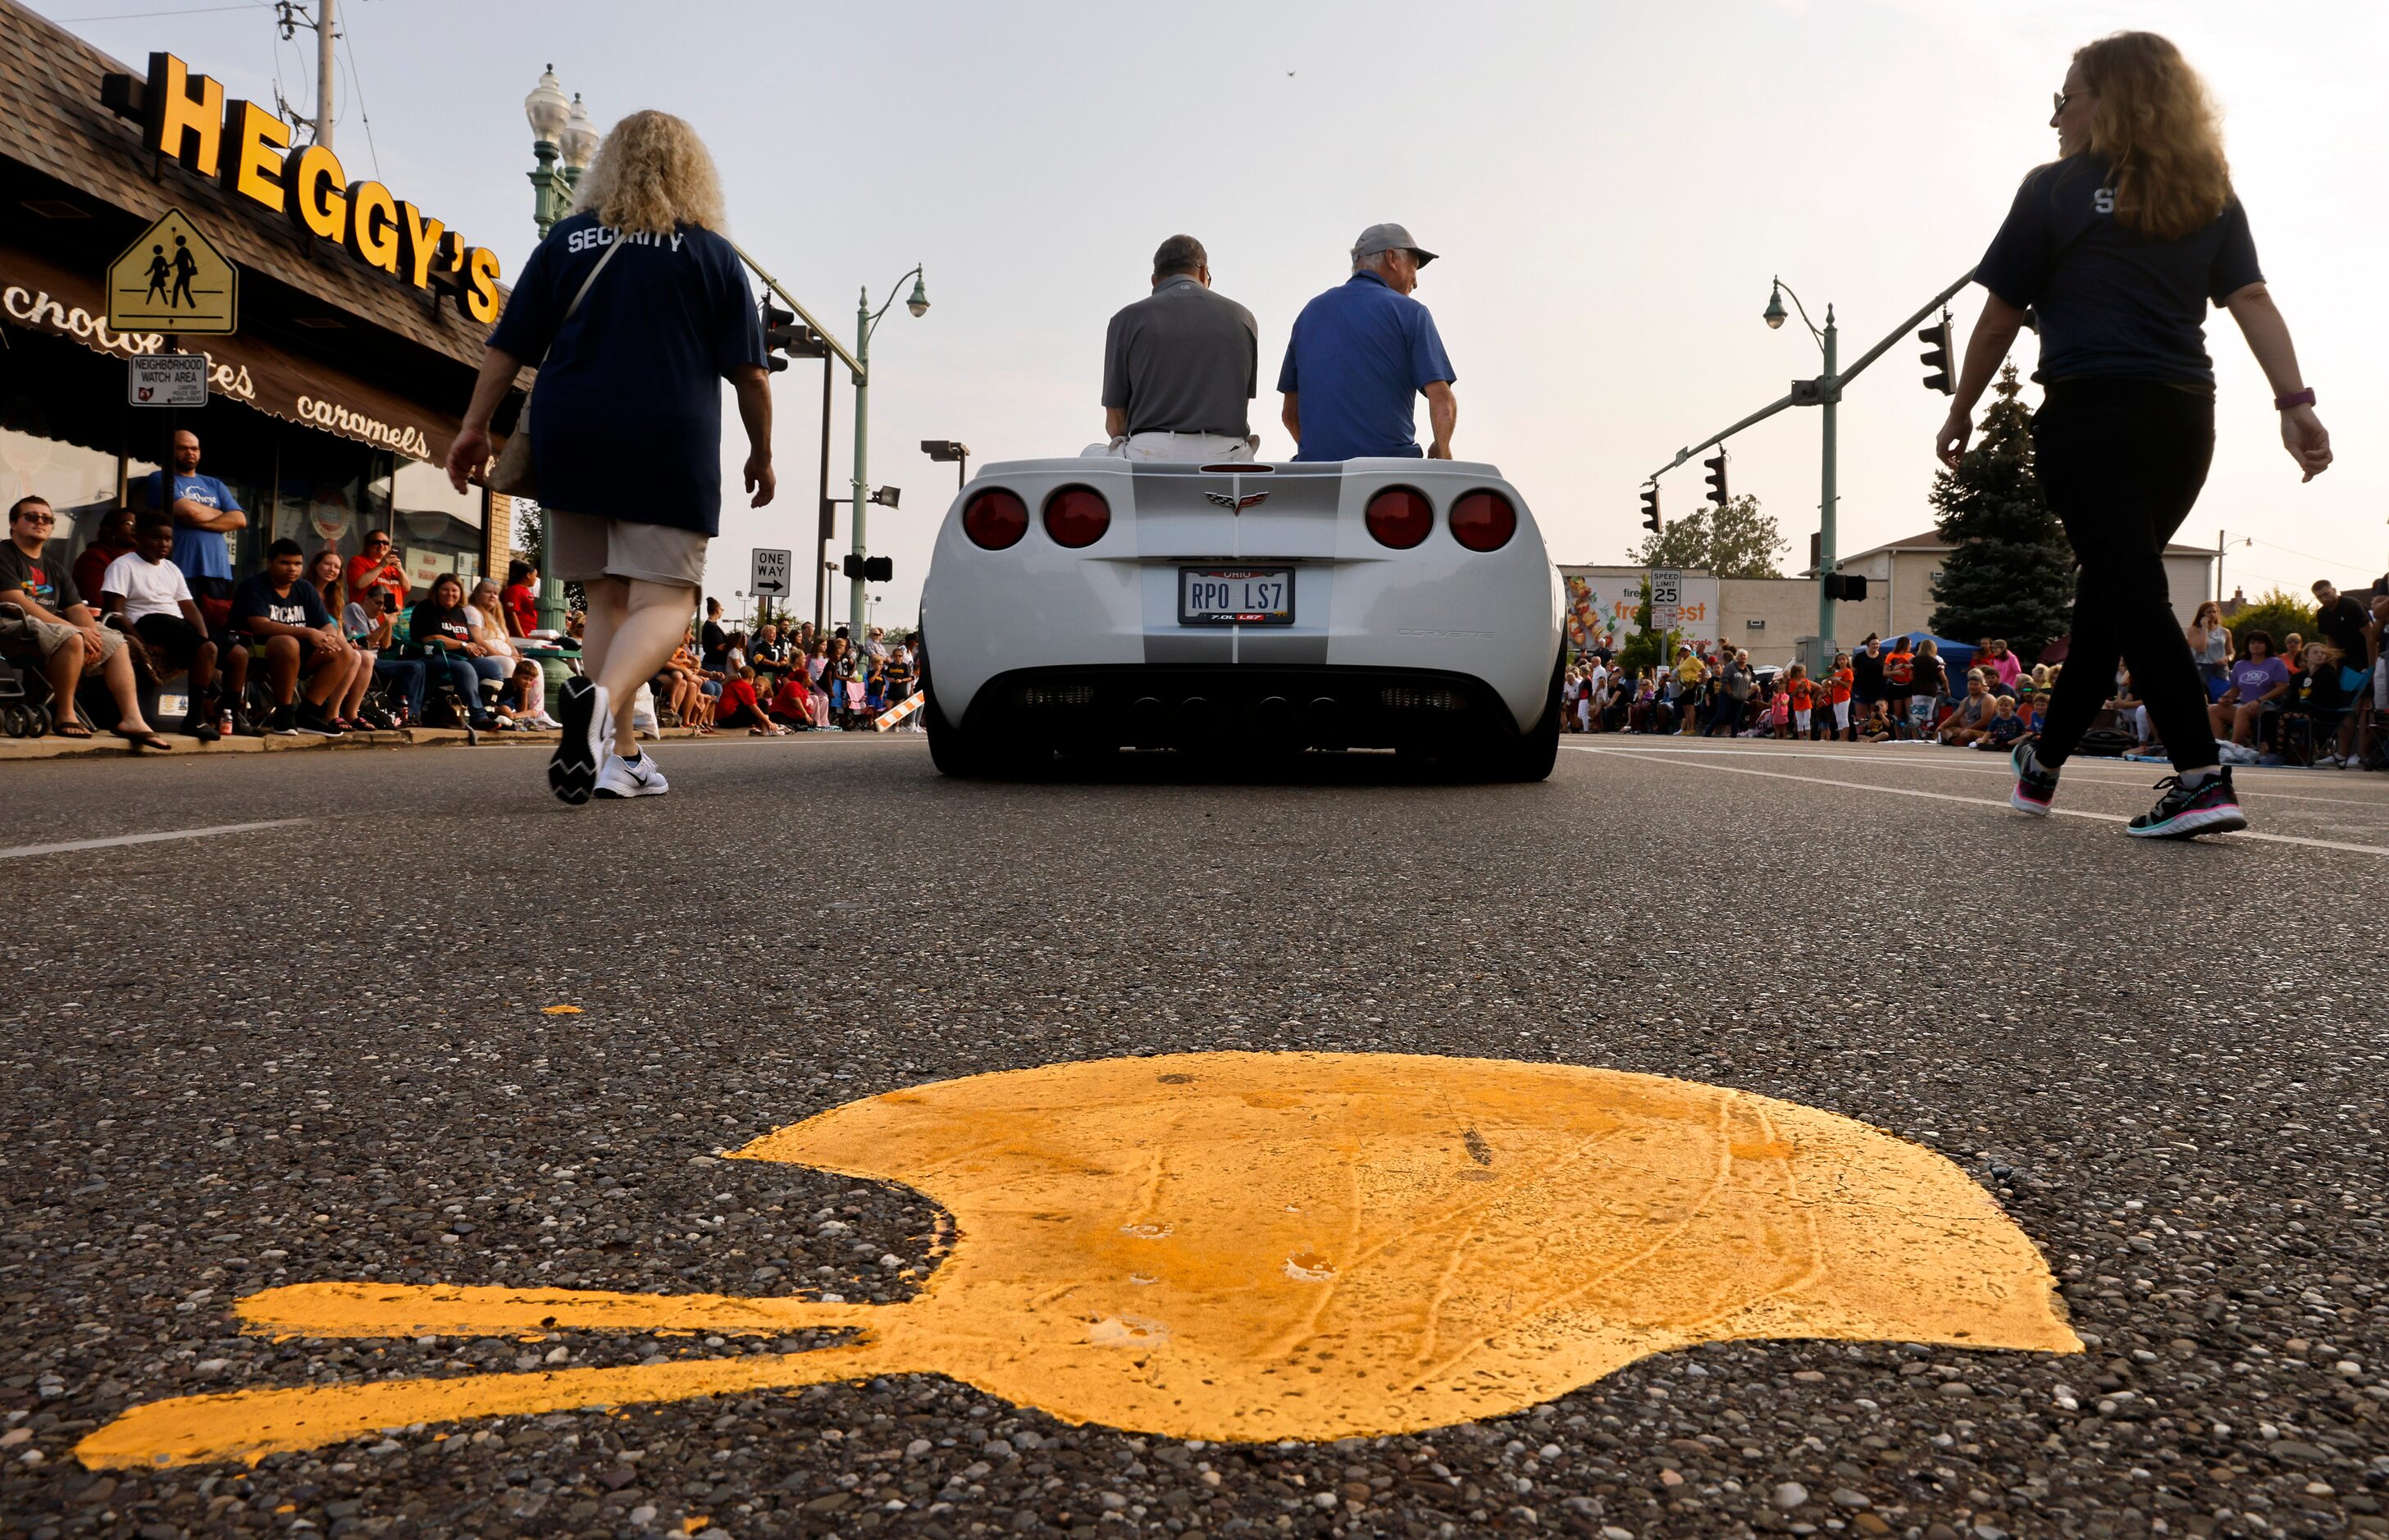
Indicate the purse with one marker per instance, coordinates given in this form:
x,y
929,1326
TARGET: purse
x,y
516,472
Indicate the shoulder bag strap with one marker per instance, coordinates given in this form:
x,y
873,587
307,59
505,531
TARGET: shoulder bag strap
x,y
586,284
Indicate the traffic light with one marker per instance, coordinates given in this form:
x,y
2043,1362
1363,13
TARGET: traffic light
x,y
1651,507
781,335
871,569
1844,585
1716,479
1940,345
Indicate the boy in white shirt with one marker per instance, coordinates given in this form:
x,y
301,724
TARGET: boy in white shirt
x,y
145,587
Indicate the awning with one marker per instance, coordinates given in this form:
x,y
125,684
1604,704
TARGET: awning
x,y
39,296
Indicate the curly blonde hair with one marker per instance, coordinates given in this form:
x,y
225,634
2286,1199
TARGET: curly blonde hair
x,y
2160,132
651,174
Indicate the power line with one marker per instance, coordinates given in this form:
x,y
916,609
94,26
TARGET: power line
x,y
133,15
356,89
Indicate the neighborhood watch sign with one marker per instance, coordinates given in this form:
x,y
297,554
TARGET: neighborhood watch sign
x,y
246,150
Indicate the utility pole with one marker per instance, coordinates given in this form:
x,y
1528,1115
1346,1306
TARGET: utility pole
x,y
323,68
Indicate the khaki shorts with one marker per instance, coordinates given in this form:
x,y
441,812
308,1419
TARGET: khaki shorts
x,y
583,548
51,636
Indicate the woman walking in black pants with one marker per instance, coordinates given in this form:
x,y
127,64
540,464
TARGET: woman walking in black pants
x,y
2121,244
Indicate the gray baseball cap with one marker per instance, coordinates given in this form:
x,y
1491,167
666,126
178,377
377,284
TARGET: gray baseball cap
x,y
1389,237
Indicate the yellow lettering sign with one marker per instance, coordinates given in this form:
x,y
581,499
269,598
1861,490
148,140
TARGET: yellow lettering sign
x,y
186,115
418,245
254,167
372,233
311,193
479,298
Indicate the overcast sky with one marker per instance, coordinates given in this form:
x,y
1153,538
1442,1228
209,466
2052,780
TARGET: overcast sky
x,y
1611,187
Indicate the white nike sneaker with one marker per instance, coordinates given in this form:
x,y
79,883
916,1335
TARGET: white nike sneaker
x,y
640,777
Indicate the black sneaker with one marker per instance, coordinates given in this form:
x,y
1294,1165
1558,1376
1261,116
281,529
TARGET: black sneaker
x,y
2209,807
243,724
572,769
283,721
201,722
316,721
2036,784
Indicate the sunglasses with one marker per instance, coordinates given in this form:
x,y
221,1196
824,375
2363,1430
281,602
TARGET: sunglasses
x,y
39,519
2060,100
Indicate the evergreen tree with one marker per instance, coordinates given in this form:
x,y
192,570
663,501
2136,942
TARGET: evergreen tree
x,y
1736,540
2012,573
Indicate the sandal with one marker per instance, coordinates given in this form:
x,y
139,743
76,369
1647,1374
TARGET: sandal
x,y
69,730
155,742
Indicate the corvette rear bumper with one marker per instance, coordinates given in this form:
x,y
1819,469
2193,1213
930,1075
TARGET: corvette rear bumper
x,y
1194,706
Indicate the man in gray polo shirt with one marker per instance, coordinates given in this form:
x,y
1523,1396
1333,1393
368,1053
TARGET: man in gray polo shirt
x,y
1179,366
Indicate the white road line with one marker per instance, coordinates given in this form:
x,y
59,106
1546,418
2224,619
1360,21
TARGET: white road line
x,y
1972,801
2243,773
14,851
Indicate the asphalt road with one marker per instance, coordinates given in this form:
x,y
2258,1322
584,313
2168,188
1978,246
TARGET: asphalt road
x,y
322,1049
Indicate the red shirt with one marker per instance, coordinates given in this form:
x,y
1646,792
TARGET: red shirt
x,y
792,699
739,692
522,607
362,570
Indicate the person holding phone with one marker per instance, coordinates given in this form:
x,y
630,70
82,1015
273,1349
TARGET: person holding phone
x,y
2120,244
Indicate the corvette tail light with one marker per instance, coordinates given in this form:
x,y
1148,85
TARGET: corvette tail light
x,y
995,519
1076,516
1400,517
1483,521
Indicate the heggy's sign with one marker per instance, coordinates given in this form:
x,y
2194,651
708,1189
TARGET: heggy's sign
x,y
247,150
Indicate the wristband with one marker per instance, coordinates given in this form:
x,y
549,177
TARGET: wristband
x,y
2295,397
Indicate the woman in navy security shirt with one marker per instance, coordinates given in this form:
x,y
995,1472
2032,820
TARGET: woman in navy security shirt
x,y
2121,245
635,310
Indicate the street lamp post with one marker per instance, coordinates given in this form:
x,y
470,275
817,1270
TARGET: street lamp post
x,y
1827,396
560,130
945,450
866,320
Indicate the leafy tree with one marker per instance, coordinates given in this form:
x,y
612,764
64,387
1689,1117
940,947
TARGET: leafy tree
x,y
2012,573
2276,615
530,521
1736,540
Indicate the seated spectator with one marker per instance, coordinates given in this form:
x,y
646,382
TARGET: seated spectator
x,y
769,654
2001,668
2132,714
2318,701
370,628
309,664
1877,727
2004,730
487,615
742,707
376,566
2257,680
439,623
114,538
522,701
1975,709
792,703
59,633
152,598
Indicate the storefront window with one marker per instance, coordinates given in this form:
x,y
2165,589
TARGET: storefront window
x,y
436,528
80,483
325,494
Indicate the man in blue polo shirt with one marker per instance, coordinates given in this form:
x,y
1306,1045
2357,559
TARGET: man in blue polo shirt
x,y
1361,356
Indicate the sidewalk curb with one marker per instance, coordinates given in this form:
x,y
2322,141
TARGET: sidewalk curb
x,y
108,746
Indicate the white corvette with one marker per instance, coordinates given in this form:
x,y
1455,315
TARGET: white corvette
x,y
1085,605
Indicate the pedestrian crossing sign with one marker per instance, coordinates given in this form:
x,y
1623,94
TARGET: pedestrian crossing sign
x,y
173,280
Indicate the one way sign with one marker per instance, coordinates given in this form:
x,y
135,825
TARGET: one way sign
x,y
769,578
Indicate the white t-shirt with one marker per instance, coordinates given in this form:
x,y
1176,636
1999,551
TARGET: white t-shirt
x,y
149,588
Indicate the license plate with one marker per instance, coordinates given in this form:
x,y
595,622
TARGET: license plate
x,y
1236,596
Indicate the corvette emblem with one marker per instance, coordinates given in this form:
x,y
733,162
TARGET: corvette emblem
x,y
1235,504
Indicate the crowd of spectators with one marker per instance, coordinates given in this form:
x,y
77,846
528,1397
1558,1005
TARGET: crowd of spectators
x,y
2296,700
776,680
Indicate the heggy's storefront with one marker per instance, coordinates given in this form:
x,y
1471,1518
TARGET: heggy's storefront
x,y
329,411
